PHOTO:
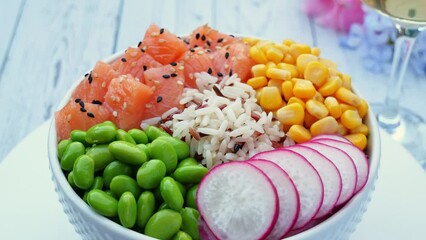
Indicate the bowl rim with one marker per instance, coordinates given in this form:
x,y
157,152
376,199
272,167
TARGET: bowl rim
x,y
373,157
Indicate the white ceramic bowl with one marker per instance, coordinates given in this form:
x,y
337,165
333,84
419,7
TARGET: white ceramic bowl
x,y
91,225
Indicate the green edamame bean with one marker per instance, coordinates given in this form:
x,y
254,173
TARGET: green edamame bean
x,y
124,136
109,123
138,135
127,153
181,147
171,193
146,208
163,224
163,206
127,210
190,219
187,162
101,156
190,174
190,197
102,203
182,188
79,136
145,149
123,183
98,183
164,151
73,151
101,133
70,179
113,169
84,172
151,173
181,235
154,132
62,146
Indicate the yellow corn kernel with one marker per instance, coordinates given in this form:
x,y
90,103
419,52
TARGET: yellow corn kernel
x,y
264,45
303,89
275,83
317,73
257,55
270,98
284,48
251,41
258,94
258,70
318,97
333,107
334,72
361,129
362,108
347,81
287,89
288,42
309,119
274,54
296,100
297,48
289,59
316,108
357,139
257,82
347,96
299,133
270,65
316,51
350,119
328,63
303,60
330,86
289,67
278,74
341,130
291,114
327,125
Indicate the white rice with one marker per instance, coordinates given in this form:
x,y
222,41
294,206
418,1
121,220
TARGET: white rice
x,y
226,126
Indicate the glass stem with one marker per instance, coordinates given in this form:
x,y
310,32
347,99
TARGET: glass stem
x,y
389,116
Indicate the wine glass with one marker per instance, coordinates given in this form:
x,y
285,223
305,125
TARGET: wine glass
x,y
409,18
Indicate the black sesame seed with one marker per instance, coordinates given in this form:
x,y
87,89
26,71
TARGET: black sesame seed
x,y
166,76
159,99
208,43
145,67
83,110
210,71
85,75
195,45
90,78
220,40
227,55
142,50
219,74
231,35
161,30
191,50
139,44
90,114
237,147
173,63
173,75
197,36
81,103
77,100
230,72
186,41
203,38
97,102
123,60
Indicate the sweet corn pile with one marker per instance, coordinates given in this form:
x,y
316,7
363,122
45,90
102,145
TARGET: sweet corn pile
x,y
306,93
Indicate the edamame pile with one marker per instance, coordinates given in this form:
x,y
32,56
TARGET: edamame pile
x,y
144,180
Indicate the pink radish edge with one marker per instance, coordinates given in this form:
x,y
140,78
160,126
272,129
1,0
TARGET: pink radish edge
x,y
332,137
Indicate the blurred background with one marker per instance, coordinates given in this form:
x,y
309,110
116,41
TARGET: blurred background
x,y
47,45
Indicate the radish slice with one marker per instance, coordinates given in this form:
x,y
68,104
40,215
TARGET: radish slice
x,y
329,174
305,178
205,232
359,158
344,164
331,136
238,201
287,196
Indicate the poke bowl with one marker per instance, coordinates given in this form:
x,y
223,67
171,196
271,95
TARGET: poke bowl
x,y
222,137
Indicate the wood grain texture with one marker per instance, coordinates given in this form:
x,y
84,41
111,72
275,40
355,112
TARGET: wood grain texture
x,y
56,42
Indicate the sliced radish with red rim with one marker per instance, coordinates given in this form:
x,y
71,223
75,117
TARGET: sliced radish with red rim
x,y
238,201
329,174
332,137
306,179
287,195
